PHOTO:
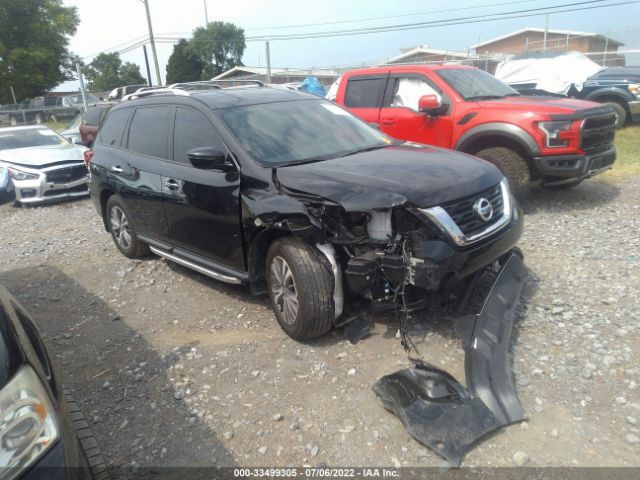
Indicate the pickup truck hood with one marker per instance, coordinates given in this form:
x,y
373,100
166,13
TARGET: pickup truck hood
x,y
421,175
37,157
540,105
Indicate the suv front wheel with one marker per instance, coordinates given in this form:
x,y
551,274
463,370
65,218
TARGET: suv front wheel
x,y
300,288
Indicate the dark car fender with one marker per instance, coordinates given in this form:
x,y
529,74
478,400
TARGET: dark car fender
x,y
610,93
498,129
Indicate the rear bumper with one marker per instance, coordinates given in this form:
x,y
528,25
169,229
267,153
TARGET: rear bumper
x,y
561,168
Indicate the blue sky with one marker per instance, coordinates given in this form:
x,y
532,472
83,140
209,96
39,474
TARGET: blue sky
x,y
107,25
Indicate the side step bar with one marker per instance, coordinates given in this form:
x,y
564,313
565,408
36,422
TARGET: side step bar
x,y
194,266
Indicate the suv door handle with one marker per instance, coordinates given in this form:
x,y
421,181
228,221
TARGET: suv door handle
x,y
117,169
388,121
172,184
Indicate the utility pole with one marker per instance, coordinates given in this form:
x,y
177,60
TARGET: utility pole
x,y
153,43
82,91
546,30
606,47
266,44
146,62
206,14
15,102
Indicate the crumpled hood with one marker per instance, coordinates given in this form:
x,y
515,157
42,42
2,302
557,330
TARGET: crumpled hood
x,y
421,175
541,105
42,156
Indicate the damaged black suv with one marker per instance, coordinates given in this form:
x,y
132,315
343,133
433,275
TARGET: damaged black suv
x,y
297,198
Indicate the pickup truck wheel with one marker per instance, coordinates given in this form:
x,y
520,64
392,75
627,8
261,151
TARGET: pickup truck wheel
x,y
300,289
621,114
511,164
123,233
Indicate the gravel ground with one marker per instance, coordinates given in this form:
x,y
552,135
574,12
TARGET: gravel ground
x,y
173,368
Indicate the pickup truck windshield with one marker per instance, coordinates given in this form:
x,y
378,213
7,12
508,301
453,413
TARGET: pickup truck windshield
x,y
474,84
33,137
287,133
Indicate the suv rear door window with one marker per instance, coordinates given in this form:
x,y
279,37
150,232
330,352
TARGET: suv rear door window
x,y
192,130
149,130
113,127
364,92
92,117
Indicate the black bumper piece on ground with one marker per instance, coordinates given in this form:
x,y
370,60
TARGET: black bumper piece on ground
x,y
435,408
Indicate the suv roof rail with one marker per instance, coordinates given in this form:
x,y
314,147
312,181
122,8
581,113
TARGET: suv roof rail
x,y
260,83
155,91
184,88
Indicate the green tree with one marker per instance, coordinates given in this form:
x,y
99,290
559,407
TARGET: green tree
x,y
183,66
219,46
107,72
34,38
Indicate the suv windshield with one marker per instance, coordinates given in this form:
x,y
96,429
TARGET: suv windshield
x,y
475,84
277,134
33,137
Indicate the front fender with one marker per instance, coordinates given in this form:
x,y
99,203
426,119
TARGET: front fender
x,y
507,130
610,92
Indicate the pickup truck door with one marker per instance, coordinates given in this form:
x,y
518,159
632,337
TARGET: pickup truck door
x,y
400,118
363,96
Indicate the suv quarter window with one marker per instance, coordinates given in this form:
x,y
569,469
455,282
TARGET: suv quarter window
x,y
113,127
92,117
192,130
149,131
365,92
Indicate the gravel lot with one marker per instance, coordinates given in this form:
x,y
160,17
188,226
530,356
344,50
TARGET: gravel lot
x,y
173,368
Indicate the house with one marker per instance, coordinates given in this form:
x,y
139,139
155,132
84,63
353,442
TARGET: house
x,y
326,76
426,54
599,48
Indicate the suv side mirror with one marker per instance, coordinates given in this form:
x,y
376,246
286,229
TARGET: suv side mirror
x,y
209,157
430,104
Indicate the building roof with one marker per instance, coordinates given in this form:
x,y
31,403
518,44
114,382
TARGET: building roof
x,y
279,72
425,49
571,33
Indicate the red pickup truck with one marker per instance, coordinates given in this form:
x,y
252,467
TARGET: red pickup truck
x,y
549,140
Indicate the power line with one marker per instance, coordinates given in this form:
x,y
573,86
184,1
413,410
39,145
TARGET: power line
x,y
438,23
367,19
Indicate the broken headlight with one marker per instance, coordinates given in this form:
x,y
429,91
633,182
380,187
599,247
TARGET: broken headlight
x,y
20,175
28,427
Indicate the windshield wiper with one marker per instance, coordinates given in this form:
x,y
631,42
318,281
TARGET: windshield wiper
x,y
366,149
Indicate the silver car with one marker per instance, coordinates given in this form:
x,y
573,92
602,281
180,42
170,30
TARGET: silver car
x,y
43,166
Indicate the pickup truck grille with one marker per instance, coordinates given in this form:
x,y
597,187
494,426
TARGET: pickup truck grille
x,y
67,175
597,133
468,221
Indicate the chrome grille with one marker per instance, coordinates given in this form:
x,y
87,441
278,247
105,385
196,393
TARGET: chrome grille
x,y
67,175
468,221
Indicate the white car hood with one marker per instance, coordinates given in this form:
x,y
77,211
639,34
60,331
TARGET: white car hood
x,y
41,156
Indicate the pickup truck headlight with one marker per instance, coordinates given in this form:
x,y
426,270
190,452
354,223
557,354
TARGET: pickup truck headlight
x,y
634,88
554,132
20,175
28,426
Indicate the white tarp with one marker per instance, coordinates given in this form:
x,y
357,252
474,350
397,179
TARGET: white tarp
x,y
553,73
333,90
409,91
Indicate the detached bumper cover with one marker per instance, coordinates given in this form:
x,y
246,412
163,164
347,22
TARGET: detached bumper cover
x,y
435,408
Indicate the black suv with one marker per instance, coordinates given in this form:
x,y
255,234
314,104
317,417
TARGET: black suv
x,y
294,196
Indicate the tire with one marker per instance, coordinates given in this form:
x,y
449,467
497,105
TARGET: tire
x,y
621,113
294,270
88,446
511,164
123,233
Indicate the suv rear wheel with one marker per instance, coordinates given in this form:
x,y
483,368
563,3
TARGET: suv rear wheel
x,y
511,164
122,232
300,289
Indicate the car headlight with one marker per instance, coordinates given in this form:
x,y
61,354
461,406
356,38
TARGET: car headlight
x,y
555,133
28,426
20,175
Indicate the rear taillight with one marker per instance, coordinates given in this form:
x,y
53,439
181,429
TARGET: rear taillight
x,y
88,155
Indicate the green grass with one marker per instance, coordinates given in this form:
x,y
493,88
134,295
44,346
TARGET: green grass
x,y
57,126
628,145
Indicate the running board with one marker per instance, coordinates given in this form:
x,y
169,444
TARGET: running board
x,y
194,266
